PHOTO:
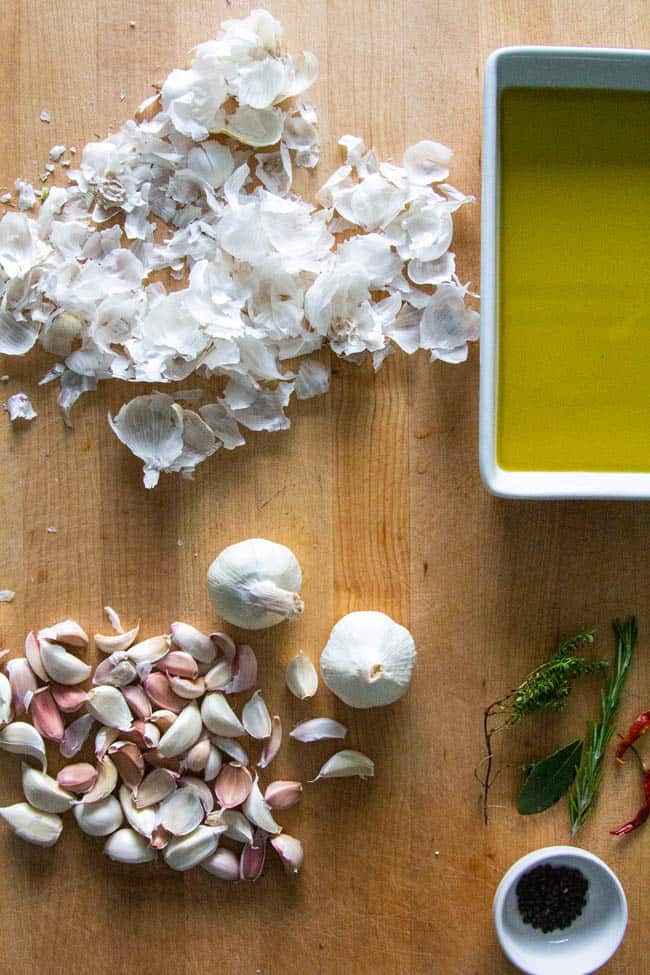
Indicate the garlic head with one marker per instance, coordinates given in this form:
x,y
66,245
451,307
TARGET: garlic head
x,y
368,660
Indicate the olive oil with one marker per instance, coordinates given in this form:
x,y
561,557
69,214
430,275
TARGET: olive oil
x,y
574,280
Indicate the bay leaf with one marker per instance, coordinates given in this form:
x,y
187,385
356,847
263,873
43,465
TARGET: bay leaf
x,y
549,779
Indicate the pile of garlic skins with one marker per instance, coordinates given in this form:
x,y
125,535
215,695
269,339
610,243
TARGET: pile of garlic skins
x,y
171,775
202,191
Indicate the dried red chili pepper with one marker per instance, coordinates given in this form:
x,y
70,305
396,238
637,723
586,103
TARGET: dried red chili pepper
x,y
636,729
643,813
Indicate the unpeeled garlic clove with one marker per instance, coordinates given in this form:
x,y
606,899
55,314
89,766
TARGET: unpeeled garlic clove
x,y
99,818
190,689
136,735
225,645
148,651
46,716
244,671
33,655
5,700
144,820
251,863
271,746
67,632
138,701
186,852
181,813
233,785
116,641
258,811
160,838
179,663
33,825
219,717
151,735
213,764
197,756
238,827
116,670
21,738
68,699
219,676
109,707
318,729
192,641
127,846
302,679
185,732
128,761
156,786
104,739
256,718
80,777
201,789
223,864
62,666
158,690
23,681
106,781
44,793
76,735
290,852
163,719
282,794
345,764
232,748
153,758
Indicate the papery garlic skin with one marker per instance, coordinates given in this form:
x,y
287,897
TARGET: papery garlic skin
x,y
368,660
255,584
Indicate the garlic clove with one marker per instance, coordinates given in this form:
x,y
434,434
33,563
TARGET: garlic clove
x,y
179,663
160,838
21,738
233,785
116,671
128,846
225,645
187,688
79,777
185,732
149,651
271,746
117,641
99,818
33,825
258,811
318,729
129,763
197,756
45,715
192,641
181,812
283,794
67,632
156,786
256,718
158,690
290,851
213,764
23,681
244,671
62,666
232,748
186,852
105,783
155,760
76,735
220,675
136,735
68,699
5,700
109,707
223,864
138,702
143,821
104,739
44,793
114,619
33,655
253,856
163,719
151,735
302,678
201,789
219,717
238,828
346,763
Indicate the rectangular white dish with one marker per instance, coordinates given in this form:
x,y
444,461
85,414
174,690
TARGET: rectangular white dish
x,y
538,67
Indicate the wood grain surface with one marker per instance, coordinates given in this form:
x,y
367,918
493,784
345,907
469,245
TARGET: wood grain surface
x,y
376,488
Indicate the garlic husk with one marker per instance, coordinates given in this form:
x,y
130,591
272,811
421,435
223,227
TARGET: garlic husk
x,y
181,812
186,852
255,584
302,678
219,717
258,811
290,851
318,729
5,700
368,660
44,793
109,707
271,745
184,732
21,738
32,825
345,764
192,641
99,818
127,846
256,718
223,864
62,666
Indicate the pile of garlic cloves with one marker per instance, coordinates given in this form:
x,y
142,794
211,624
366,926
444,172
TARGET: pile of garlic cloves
x,y
171,774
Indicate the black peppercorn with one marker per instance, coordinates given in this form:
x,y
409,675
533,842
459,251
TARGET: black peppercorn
x,y
551,898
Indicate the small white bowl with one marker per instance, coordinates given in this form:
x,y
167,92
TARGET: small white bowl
x,y
580,949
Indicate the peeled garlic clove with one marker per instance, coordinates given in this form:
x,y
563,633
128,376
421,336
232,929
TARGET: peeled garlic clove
x,y
271,746
244,671
143,821
99,818
127,846
116,670
345,764
232,748
109,707
33,825
192,641
158,690
185,732
21,738
186,852
62,666
256,718
220,675
219,717
251,863
44,793
188,689
290,852
46,716
258,811
213,764
33,655
79,777
302,679
149,651
128,761
179,663
238,827
68,699
104,739
156,786
68,632
117,641
137,701
181,812
233,785
318,729
201,789
23,681
75,735
105,783
5,700
282,794
223,864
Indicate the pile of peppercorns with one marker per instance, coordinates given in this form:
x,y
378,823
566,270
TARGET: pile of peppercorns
x,y
551,898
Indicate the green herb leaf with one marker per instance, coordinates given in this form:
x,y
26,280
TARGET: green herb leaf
x,y
549,779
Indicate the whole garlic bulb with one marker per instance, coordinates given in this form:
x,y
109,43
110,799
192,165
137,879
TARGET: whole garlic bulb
x,y
368,660
255,584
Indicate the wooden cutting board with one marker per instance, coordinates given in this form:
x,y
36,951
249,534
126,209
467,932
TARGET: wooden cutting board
x,y
376,488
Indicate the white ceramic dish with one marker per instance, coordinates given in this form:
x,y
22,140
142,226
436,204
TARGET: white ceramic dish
x,y
583,947
539,67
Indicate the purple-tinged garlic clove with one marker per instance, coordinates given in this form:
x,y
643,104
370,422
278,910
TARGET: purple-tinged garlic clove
x,y
192,641
116,671
258,811
68,632
23,681
158,690
271,746
223,864
187,688
290,851
33,655
76,735
128,761
68,699
138,702
233,785
179,663
253,856
244,671
79,777
46,716
156,786
283,794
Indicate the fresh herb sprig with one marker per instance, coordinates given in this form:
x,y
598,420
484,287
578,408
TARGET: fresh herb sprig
x,y
599,733
545,689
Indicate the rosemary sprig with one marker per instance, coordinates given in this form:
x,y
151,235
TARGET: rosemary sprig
x,y
599,733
